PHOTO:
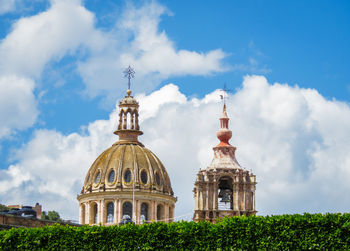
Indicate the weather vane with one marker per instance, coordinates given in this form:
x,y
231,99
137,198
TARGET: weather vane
x,y
224,93
129,73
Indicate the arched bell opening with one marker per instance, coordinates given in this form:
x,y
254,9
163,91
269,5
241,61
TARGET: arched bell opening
x,y
225,192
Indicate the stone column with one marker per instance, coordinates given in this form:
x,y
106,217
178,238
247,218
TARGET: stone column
x,y
124,122
137,212
99,212
171,213
132,121
120,213
119,210
195,199
235,197
215,195
154,211
90,216
103,213
86,216
201,207
198,198
244,198
206,196
81,214
166,212
253,201
115,212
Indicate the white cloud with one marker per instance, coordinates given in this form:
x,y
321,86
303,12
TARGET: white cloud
x,y
137,41
51,167
7,6
35,41
68,28
17,104
293,139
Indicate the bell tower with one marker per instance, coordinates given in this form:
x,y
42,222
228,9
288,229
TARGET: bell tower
x,y
224,188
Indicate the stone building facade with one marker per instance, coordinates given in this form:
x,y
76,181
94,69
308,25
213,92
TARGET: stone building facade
x,y
224,188
127,179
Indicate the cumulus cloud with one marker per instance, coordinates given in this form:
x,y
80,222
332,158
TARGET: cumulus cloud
x,y
51,167
7,6
136,40
293,139
35,41
17,104
68,28
32,43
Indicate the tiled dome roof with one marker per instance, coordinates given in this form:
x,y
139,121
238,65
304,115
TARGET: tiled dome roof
x,y
120,165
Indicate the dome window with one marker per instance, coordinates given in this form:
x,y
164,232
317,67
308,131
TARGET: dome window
x,y
144,213
110,212
127,209
158,179
95,214
144,177
97,177
111,176
127,176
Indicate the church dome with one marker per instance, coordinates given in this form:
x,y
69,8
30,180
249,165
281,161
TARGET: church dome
x,y
121,164
127,179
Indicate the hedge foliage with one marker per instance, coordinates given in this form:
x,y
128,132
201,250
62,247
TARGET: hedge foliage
x,y
283,232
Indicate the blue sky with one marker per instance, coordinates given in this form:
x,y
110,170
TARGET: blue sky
x,y
68,57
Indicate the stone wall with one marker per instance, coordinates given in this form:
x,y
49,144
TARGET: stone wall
x,y
8,221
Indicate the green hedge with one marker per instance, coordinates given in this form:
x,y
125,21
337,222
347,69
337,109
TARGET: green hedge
x,y
284,232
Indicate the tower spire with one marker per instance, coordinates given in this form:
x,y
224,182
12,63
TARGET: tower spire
x,y
224,134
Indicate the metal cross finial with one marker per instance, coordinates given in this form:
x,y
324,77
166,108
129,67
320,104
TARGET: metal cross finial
x,y
224,94
129,73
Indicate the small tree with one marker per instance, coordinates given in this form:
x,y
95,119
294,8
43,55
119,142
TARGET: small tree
x,y
51,215
3,207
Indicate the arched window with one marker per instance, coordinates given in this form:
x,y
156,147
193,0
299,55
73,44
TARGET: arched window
x,y
158,179
160,212
144,177
127,176
110,212
144,213
95,213
97,177
111,176
127,209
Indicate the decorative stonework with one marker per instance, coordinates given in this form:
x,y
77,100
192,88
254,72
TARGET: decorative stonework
x,y
127,178
224,188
